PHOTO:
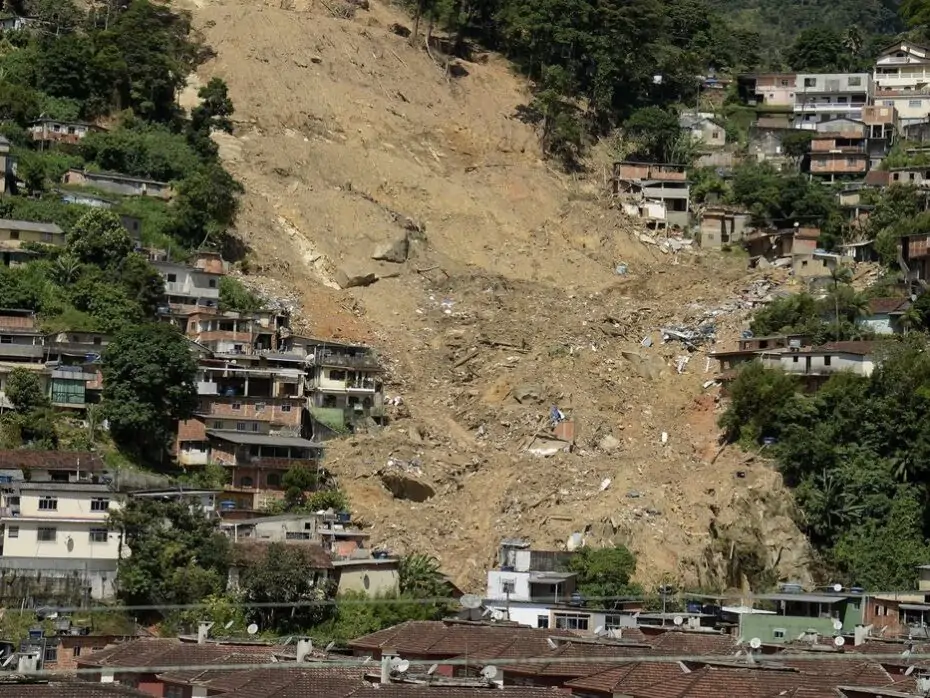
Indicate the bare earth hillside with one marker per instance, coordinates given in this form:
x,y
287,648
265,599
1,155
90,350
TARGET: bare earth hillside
x,y
348,141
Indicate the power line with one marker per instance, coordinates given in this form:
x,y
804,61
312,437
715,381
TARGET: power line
x,y
730,660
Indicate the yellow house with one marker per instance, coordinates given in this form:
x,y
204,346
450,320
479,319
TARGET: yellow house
x,y
14,233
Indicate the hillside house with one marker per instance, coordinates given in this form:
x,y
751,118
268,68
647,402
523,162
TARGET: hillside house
x,y
752,348
14,233
824,96
704,129
768,89
54,524
721,226
46,130
838,149
189,288
902,79
882,123
817,264
636,181
765,138
7,166
799,613
884,315
815,365
914,257
115,183
776,244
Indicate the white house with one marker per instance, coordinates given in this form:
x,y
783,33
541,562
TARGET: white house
x,y
186,285
902,79
856,357
823,96
59,530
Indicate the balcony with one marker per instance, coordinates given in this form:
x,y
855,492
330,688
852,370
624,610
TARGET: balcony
x,y
72,373
363,361
207,388
823,108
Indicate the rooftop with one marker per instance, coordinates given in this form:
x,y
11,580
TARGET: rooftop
x,y
250,552
27,459
237,437
34,226
886,305
66,689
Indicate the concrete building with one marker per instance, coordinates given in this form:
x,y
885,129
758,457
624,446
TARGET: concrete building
x,y
815,365
14,233
721,226
54,525
882,127
189,286
817,264
46,130
665,183
838,149
115,183
704,129
768,89
7,166
802,614
823,96
884,315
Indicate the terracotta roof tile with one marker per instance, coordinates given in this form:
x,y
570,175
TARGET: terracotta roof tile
x,y
400,690
309,682
68,689
28,459
627,677
443,639
886,305
157,652
859,347
561,666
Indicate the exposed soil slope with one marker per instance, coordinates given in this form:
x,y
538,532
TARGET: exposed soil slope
x,y
349,139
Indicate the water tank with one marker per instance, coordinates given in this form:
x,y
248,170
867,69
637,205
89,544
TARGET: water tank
x,y
790,588
227,505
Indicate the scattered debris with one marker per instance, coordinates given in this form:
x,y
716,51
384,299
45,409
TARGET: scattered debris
x,y
608,443
395,252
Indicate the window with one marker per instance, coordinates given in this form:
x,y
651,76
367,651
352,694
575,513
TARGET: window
x,y
612,622
212,283
273,480
14,235
778,633
297,535
827,360
6,339
240,426
841,100
71,130
46,534
285,408
174,692
794,359
12,531
98,535
810,82
855,81
337,375
259,406
99,504
237,406
888,103
571,621
715,135
542,621
172,278
246,482
508,586
784,83
217,425
914,103
254,426
51,654
98,340
48,504
77,651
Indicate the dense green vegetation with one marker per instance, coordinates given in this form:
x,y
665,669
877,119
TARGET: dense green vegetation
x,y
856,454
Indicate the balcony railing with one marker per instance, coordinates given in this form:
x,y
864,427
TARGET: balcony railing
x,y
341,360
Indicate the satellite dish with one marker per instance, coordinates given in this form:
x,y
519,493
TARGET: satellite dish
x,y
470,601
552,644
330,645
432,670
252,629
366,659
229,625
497,614
400,665
599,630
755,643
489,672
6,662
907,672
837,624
839,641
837,587
678,620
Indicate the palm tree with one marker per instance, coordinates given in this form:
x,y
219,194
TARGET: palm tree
x,y
911,319
65,269
853,40
840,274
419,575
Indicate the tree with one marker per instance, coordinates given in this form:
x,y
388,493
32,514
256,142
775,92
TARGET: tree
x,y
31,171
177,555
142,283
296,483
286,575
235,296
212,114
818,50
100,238
655,132
24,390
604,573
206,205
796,144
148,373
757,397
420,576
